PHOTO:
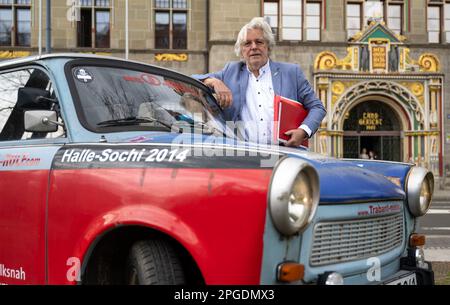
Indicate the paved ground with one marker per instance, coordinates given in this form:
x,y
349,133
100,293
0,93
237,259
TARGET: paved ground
x,y
441,273
436,226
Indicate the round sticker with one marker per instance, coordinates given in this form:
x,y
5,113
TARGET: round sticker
x,y
83,75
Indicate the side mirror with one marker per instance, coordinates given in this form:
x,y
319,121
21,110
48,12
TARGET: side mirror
x,y
41,121
30,97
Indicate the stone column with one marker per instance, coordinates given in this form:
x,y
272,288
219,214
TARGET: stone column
x,y
321,141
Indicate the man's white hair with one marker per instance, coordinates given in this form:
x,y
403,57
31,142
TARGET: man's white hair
x,y
255,23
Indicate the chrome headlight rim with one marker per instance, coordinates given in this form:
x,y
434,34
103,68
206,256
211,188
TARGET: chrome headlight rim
x,y
281,187
414,186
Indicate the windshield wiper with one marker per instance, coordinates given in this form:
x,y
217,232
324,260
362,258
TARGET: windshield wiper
x,y
207,129
134,120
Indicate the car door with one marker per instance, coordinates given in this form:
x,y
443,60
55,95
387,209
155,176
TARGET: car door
x,y
25,161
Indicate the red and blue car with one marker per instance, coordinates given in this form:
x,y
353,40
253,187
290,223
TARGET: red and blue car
x,y
119,172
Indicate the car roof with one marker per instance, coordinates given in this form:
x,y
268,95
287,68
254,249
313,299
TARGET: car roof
x,y
31,59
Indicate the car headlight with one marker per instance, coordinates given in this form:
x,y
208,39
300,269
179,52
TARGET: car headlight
x,y
419,188
294,195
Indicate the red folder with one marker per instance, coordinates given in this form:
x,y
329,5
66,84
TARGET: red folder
x,y
288,114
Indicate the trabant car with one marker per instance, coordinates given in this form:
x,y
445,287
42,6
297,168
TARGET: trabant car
x,y
120,172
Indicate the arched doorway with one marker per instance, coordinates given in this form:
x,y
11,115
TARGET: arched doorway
x,y
374,126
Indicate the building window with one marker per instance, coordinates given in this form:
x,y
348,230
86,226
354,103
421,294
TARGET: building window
x,y
353,19
434,24
294,20
313,21
271,12
394,18
438,21
171,24
291,20
15,23
373,9
391,12
447,22
93,29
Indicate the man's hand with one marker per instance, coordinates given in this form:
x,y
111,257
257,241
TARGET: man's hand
x,y
297,137
223,93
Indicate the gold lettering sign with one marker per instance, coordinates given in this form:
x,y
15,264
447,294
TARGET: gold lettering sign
x,y
370,120
379,57
171,57
14,54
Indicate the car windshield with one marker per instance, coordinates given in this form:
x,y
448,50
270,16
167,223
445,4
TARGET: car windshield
x,y
112,99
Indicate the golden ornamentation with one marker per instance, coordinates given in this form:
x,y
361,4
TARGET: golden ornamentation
x,y
379,57
402,61
323,83
328,61
400,37
14,54
379,41
338,88
331,133
355,58
417,89
429,63
346,63
435,85
421,100
334,99
356,36
171,57
325,61
408,59
421,133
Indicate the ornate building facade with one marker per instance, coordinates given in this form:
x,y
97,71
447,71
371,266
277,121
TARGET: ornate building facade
x,y
380,99
383,82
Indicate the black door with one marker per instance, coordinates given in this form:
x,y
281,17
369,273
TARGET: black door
x,y
373,128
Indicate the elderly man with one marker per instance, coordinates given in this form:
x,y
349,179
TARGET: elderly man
x,y
246,89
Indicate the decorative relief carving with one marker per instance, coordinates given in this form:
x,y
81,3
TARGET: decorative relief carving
x,y
328,60
338,88
325,61
418,90
171,57
376,87
415,87
398,58
355,59
429,63
347,62
323,83
14,54
356,37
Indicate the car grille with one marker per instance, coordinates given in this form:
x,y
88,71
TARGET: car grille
x,y
340,241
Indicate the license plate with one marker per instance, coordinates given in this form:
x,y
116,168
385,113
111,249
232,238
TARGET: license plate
x,y
409,279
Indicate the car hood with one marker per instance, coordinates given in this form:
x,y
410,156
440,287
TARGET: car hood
x,y
341,181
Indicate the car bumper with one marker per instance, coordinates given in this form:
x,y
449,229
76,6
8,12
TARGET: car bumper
x,y
406,275
412,275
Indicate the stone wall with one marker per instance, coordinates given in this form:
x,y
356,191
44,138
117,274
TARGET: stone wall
x,y
227,17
